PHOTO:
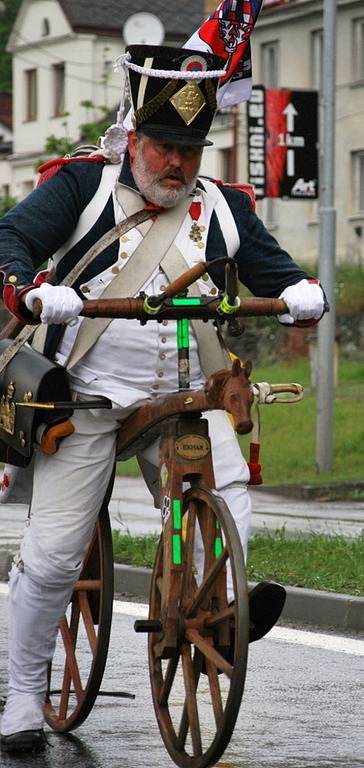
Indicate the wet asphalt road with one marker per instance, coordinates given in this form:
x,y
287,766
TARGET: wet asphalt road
x,y
303,707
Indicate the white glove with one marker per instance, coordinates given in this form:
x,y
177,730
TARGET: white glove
x,y
60,303
305,301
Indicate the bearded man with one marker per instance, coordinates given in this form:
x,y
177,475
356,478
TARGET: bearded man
x,y
173,104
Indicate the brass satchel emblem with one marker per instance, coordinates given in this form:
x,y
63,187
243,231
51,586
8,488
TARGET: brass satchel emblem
x,y
188,102
192,447
7,410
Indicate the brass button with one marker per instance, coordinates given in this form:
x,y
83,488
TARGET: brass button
x,y
85,289
163,339
162,355
115,270
205,278
213,291
155,386
124,239
160,374
124,255
200,245
12,278
163,287
164,322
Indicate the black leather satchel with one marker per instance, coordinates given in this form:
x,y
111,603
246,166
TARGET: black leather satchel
x,y
28,378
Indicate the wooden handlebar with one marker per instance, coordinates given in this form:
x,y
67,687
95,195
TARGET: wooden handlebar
x,y
182,282
133,308
37,309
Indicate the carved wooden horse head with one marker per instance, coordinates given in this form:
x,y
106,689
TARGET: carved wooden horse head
x,y
232,391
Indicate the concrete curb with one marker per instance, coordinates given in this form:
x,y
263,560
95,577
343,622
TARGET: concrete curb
x,y
313,607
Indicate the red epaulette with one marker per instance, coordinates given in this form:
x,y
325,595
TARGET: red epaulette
x,y
52,167
247,188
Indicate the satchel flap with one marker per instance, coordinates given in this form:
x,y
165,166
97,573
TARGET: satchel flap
x,y
29,377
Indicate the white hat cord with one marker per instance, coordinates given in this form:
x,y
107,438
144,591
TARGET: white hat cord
x,y
115,141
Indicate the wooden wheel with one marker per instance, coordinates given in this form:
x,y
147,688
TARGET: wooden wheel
x,y
75,675
197,689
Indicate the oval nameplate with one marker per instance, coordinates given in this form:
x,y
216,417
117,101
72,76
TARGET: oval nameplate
x,y
192,447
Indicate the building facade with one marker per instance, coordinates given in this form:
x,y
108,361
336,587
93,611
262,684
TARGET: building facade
x,y
62,69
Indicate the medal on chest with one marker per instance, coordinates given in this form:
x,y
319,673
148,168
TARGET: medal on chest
x,y
196,233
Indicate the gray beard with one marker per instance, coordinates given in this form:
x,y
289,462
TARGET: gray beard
x,y
151,188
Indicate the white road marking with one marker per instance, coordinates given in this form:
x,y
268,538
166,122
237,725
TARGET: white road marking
x,y
327,642
321,640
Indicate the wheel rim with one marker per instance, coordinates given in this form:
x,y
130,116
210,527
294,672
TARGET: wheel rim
x,y
197,691
75,676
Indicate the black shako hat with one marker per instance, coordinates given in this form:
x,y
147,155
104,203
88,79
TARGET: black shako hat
x,y
177,107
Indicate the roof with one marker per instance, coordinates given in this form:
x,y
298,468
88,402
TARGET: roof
x,y
110,16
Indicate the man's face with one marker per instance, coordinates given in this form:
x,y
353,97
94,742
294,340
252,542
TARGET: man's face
x,y
164,173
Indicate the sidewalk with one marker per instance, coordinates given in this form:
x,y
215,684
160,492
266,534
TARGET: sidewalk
x,y
132,511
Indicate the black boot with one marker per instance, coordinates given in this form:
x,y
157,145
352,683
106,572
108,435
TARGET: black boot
x,y
24,741
266,601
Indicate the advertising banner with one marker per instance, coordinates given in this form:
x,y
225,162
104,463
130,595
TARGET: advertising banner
x,y
283,143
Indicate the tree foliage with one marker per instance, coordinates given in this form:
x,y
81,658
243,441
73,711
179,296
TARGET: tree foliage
x,y
8,13
6,203
89,131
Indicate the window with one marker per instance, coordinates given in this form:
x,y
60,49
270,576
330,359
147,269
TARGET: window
x,y
27,187
358,49
31,96
46,27
58,89
358,178
227,164
270,64
316,46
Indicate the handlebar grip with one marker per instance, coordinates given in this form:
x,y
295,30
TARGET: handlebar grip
x,y
182,282
37,309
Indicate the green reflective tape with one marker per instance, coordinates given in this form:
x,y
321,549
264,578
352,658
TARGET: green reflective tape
x,y
183,340
218,547
176,549
177,514
186,302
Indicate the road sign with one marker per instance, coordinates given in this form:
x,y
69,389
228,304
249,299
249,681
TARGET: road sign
x,y
283,143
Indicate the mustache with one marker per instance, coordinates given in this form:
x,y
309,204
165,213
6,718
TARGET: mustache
x,y
174,173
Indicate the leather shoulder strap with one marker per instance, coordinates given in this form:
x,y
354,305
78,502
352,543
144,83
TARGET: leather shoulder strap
x,y
134,275
225,217
92,212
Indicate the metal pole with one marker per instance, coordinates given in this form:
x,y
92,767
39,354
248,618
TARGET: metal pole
x,y
326,328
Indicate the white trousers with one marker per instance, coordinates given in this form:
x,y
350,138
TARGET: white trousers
x,y
69,488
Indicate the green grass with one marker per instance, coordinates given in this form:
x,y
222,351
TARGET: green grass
x,y
329,563
288,432
135,550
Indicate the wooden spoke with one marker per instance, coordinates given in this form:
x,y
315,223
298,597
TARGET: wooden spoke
x,y
71,661
88,621
204,646
168,679
190,701
207,583
216,699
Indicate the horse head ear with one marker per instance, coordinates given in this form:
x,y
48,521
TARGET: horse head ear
x,y
236,367
248,365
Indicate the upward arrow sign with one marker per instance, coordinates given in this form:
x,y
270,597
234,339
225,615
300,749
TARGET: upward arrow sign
x,y
290,113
